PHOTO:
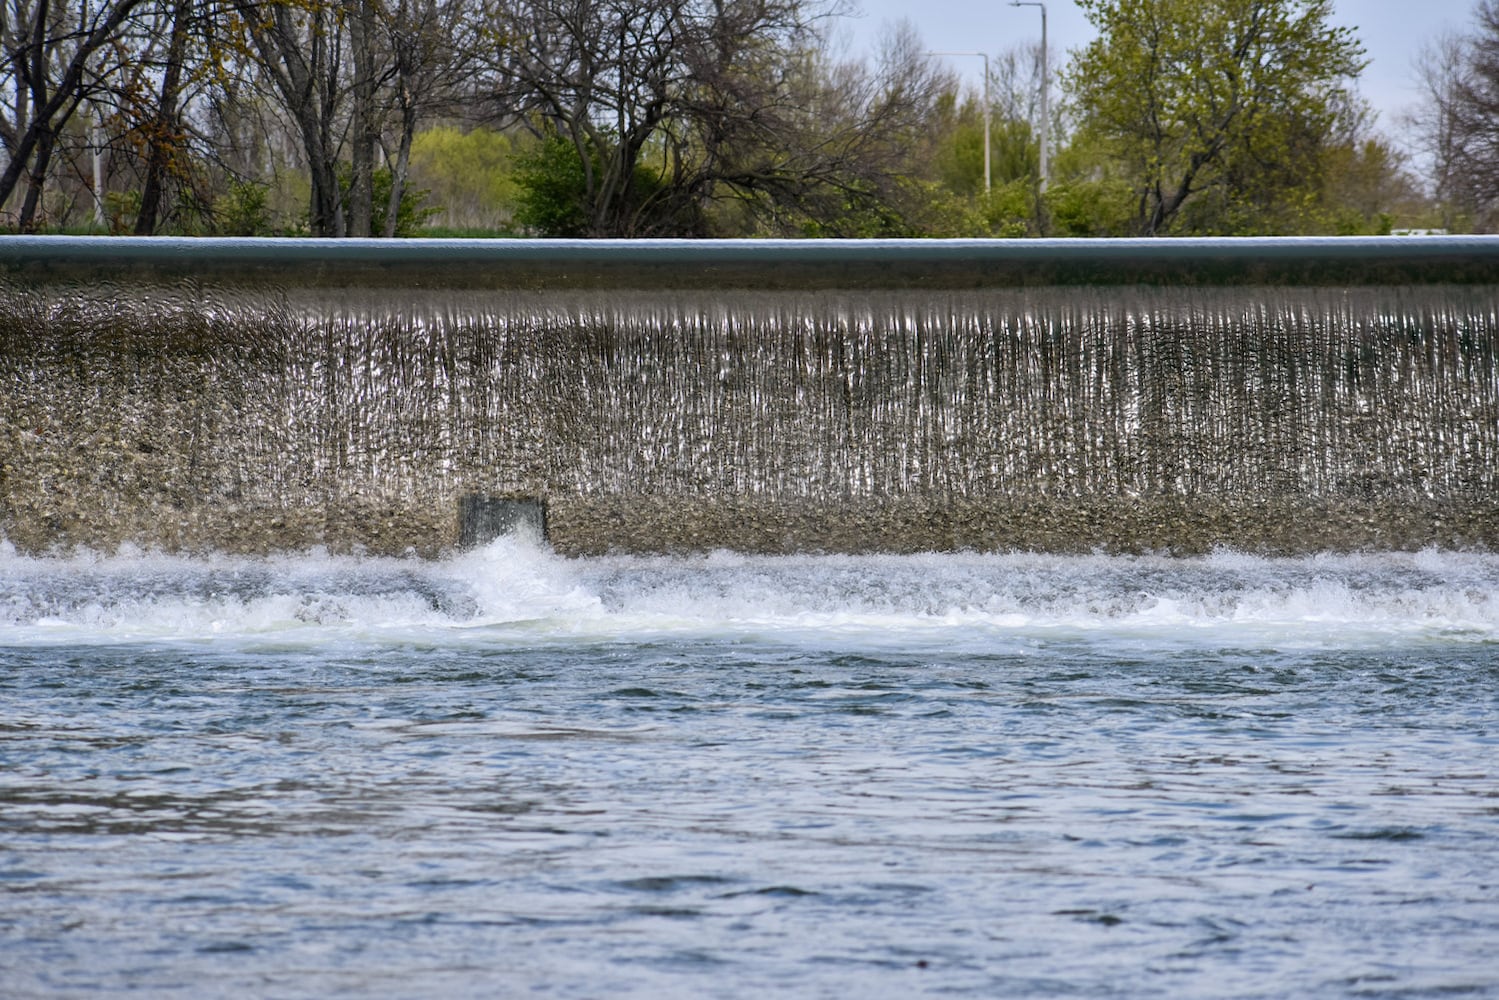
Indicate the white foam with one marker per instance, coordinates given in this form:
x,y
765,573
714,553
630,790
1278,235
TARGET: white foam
x,y
513,589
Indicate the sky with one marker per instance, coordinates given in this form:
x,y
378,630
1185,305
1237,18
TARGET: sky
x,y
1392,33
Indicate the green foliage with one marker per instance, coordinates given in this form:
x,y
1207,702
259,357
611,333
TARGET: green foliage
x,y
1010,210
1365,188
961,205
243,210
471,174
958,163
1228,104
1017,150
910,208
120,210
1186,117
1014,153
1089,207
411,214
553,189
557,195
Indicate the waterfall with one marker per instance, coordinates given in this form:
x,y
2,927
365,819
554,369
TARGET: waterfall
x,y
1275,395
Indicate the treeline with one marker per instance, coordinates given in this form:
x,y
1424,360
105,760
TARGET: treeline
x,y
697,118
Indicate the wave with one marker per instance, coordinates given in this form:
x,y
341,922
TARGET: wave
x,y
518,590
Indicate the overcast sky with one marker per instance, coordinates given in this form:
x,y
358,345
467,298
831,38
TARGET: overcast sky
x,y
1392,33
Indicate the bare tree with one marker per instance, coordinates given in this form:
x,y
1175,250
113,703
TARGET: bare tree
x,y
671,111
354,77
1430,121
300,48
52,59
1457,121
849,154
164,128
427,70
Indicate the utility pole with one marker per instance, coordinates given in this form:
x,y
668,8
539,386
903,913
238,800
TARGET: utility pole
x,y
1045,84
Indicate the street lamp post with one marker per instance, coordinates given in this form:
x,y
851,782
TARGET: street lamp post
x,y
988,174
1045,118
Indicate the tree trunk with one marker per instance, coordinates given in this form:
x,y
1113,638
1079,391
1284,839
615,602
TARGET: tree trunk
x,y
365,133
36,181
51,110
325,215
164,130
401,167
308,86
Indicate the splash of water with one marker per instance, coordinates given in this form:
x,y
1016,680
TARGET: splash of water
x,y
514,590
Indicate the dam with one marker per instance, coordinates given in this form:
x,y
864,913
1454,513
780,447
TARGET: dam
x,y
1270,395
1200,703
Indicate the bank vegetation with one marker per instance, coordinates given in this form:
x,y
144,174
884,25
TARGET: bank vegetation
x,y
731,118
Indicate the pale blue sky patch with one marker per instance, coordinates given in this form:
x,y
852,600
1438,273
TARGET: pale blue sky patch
x,y
1392,32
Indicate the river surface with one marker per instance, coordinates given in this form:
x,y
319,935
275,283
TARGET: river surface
x,y
512,774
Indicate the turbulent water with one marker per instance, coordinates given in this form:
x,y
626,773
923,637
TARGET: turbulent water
x,y
508,773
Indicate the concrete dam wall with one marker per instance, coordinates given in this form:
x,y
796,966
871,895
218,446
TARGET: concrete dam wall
x,y
1279,395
